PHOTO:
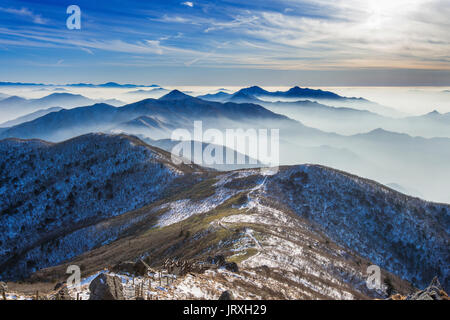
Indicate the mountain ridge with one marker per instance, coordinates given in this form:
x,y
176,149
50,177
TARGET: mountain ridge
x,y
315,204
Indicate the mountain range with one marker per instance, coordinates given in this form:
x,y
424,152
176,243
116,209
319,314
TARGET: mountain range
x,y
15,106
342,120
296,93
377,154
87,183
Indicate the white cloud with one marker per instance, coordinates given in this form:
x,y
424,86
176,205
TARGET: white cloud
x,y
188,3
355,34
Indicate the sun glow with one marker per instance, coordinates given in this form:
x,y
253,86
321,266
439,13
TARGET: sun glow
x,y
384,11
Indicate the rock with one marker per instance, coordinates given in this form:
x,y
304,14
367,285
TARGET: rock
x,y
140,268
136,268
424,296
59,285
178,271
435,283
219,260
106,287
127,267
433,292
226,295
231,266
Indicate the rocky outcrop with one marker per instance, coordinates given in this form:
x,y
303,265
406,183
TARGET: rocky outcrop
x,y
140,268
433,292
133,268
231,266
106,287
220,261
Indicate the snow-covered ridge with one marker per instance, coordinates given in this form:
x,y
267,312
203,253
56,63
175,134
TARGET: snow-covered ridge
x,y
405,235
49,191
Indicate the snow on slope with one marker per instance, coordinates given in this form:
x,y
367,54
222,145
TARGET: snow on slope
x,y
307,232
50,194
405,235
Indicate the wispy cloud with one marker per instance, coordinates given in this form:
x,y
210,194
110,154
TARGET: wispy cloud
x,y
236,22
25,12
280,34
87,50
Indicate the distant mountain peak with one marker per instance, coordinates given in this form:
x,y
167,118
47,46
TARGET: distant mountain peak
x,y
62,94
434,113
14,98
175,95
314,93
253,90
241,94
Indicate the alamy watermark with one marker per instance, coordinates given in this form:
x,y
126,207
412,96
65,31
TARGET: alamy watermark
x,y
259,147
74,20
373,281
74,280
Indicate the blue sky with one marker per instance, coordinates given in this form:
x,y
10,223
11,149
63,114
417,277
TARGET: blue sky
x,y
279,42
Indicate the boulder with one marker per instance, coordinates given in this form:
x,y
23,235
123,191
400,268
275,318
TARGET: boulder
x,y
219,260
231,266
133,268
127,267
106,287
226,295
140,268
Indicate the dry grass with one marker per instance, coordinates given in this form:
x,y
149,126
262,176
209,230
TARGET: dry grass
x,y
180,240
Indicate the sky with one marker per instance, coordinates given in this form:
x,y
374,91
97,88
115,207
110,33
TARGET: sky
x,y
235,42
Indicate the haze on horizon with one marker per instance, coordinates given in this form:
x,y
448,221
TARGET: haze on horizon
x,y
239,43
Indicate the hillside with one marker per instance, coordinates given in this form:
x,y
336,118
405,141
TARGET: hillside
x,y
306,232
29,117
51,194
